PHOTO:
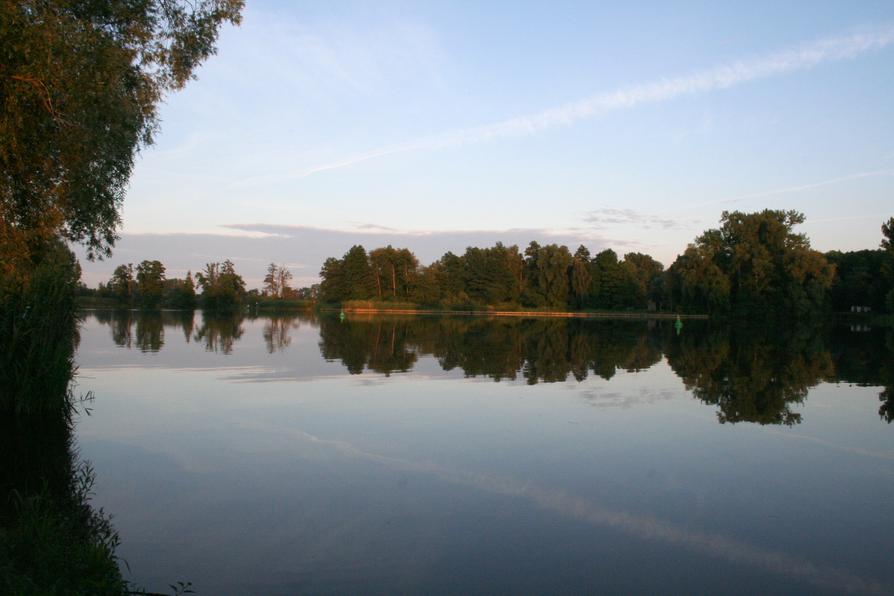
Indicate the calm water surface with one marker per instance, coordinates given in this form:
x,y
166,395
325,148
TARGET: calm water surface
x,y
281,455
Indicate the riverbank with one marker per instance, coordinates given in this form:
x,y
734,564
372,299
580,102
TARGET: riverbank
x,y
516,313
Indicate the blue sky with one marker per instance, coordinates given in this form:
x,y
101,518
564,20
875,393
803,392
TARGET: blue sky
x,y
431,125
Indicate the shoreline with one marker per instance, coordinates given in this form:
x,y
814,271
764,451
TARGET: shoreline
x,y
517,313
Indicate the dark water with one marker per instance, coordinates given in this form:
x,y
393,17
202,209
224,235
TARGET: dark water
x,y
281,455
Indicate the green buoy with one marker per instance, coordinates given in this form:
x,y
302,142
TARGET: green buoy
x,y
341,315
678,325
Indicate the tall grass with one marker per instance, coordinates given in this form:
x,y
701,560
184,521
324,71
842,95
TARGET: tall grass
x,y
38,334
51,540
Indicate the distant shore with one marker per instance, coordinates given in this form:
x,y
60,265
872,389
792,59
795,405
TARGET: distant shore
x,y
518,313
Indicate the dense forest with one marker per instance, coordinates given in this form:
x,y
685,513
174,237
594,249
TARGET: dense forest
x,y
220,288
754,264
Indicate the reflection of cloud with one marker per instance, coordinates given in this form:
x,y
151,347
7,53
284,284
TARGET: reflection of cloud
x,y
601,399
587,511
835,446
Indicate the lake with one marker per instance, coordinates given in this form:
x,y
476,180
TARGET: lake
x,y
296,454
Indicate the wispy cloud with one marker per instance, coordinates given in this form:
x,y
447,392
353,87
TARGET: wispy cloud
x,y
790,189
253,245
608,216
720,77
375,227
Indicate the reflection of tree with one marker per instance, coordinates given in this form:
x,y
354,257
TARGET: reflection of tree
x,y
220,331
480,347
541,350
276,332
51,540
120,323
145,329
867,358
51,536
379,345
750,376
546,352
150,331
182,319
886,410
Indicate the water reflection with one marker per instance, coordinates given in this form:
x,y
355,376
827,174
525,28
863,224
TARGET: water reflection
x,y
754,374
867,358
220,332
277,332
145,329
751,376
537,350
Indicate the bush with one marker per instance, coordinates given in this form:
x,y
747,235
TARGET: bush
x,y
38,331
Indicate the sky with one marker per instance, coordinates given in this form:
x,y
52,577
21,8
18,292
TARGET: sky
x,y
438,125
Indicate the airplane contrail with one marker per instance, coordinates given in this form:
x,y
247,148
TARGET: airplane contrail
x,y
720,77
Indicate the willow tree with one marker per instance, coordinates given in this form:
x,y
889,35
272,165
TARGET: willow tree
x,y
80,83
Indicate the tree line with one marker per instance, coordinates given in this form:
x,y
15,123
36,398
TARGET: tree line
x,y
753,264
219,287
547,276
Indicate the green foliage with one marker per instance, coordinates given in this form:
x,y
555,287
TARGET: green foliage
x,y
888,235
148,288
696,283
38,324
79,86
451,279
222,287
427,289
393,273
753,265
269,304
59,545
150,283
607,282
858,282
642,274
51,540
122,285
887,269
546,276
492,275
180,293
358,277
332,284
276,282
581,277
386,273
